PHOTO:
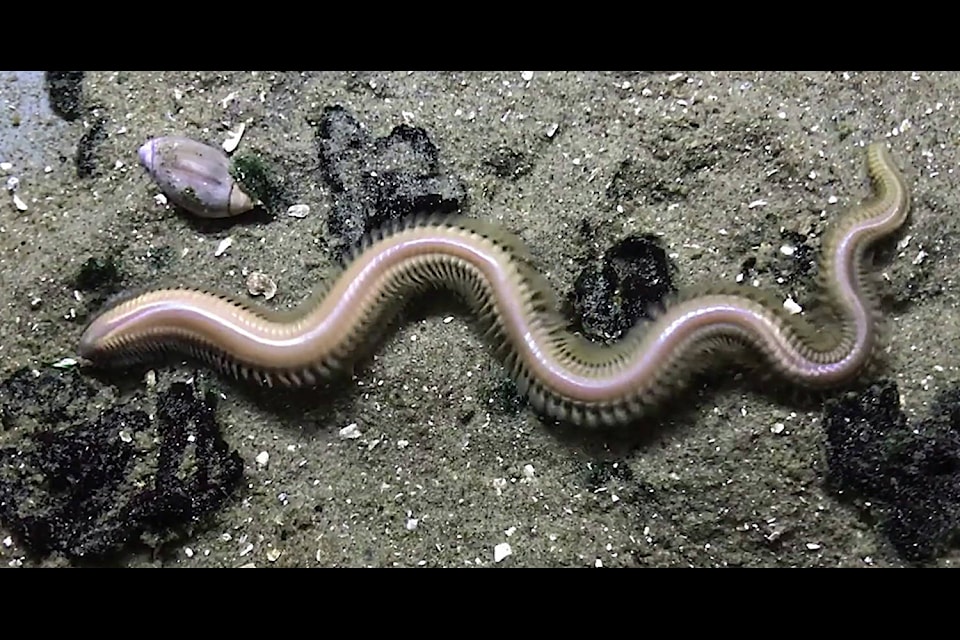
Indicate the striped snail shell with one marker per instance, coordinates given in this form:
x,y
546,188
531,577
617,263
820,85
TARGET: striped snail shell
x,y
195,176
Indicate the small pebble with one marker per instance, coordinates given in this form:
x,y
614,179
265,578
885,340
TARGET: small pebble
x,y
351,432
527,76
298,210
502,551
18,203
6,166
263,458
273,554
260,284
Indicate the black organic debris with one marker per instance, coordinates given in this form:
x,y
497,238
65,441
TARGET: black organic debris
x,y
376,180
88,486
65,93
911,474
88,146
612,295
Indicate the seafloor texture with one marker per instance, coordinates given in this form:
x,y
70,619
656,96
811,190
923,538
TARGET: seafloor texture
x,y
625,186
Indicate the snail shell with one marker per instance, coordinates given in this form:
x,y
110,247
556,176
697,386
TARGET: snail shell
x,y
194,176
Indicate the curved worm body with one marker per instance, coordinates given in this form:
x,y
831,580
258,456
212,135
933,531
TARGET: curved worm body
x,y
565,376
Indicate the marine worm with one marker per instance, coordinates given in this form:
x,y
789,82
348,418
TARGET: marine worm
x,y
565,376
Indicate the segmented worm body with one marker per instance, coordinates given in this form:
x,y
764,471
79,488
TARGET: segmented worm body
x,y
564,375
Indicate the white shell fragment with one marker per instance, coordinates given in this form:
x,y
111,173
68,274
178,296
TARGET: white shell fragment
x,y
13,182
792,307
65,363
223,246
502,551
233,138
195,176
260,284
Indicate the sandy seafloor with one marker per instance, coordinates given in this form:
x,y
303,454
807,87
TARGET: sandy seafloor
x,y
738,479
